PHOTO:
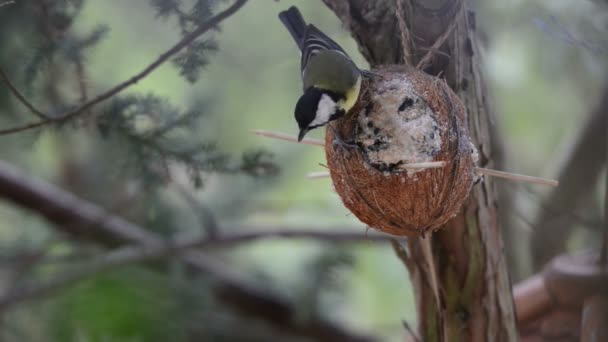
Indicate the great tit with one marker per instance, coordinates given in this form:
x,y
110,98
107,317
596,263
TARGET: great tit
x,y
330,78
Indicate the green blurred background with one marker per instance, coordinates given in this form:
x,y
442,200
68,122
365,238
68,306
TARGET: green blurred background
x,y
543,87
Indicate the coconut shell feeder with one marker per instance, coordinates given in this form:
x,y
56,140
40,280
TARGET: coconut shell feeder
x,y
403,116
402,160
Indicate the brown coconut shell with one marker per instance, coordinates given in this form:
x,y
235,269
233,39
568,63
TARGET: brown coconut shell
x,y
397,202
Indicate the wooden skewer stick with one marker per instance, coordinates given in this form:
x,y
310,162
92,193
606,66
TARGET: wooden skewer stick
x,y
478,170
287,137
424,165
515,176
421,165
317,142
317,175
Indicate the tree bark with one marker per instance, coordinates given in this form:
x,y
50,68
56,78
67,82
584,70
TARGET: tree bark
x,y
459,274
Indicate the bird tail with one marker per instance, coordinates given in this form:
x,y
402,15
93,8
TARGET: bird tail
x,y
295,24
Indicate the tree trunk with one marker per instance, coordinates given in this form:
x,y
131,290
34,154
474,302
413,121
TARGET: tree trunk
x,y
459,274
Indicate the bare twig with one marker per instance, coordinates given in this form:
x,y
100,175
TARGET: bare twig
x,y
204,27
18,95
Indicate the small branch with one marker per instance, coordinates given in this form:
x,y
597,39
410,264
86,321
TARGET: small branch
x,y
18,95
287,137
516,177
204,27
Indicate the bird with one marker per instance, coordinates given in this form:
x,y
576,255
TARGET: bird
x,y
331,80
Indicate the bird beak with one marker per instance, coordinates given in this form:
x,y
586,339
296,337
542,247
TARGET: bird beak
x,y
303,132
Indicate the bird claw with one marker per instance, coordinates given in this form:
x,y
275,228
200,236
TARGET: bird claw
x,y
338,141
344,146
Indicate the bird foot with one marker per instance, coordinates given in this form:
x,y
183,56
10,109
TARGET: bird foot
x,y
338,142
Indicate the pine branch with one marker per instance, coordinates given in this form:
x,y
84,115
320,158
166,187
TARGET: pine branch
x,y
76,216
184,42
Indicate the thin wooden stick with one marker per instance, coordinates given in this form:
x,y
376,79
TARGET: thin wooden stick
x,y
317,175
287,137
422,165
515,176
478,170
317,142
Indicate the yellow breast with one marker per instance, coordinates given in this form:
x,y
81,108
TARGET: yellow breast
x,y
351,96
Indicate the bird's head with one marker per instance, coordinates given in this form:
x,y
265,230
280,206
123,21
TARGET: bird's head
x,y
315,108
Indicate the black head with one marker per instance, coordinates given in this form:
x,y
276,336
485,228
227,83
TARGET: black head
x,y
307,111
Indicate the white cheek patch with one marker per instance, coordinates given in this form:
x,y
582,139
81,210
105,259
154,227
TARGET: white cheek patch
x,y
325,109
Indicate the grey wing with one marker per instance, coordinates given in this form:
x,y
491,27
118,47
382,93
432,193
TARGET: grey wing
x,y
315,41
